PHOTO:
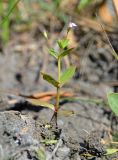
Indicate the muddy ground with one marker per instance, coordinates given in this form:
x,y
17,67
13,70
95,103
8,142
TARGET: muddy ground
x,y
87,132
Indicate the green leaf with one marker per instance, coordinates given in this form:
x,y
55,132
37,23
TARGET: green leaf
x,y
113,102
111,151
63,43
66,52
50,79
68,73
38,102
53,53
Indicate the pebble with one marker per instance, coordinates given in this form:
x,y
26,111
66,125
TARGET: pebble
x,y
63,152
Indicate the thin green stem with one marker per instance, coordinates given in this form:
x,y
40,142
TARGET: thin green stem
x,y
57,99
58,88
59,69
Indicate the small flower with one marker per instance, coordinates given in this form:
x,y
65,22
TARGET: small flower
x,y
72,25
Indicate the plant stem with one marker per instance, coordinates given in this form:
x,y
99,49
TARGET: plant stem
x,y
54,117
59,69
58,88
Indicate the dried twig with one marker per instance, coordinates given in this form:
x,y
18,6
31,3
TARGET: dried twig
x,y
113,51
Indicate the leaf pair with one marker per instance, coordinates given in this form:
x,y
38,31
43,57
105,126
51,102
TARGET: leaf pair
x,y
67,74
63,54
63,43
38,102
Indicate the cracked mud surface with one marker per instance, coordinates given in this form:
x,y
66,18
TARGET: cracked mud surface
x,y
21,135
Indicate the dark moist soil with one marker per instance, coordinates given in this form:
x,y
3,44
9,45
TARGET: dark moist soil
x,y
25,132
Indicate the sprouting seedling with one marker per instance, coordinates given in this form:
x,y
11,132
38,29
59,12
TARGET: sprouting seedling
x,y
67,74
62,77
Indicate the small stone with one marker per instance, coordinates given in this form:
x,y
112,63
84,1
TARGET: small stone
x,y
63,152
